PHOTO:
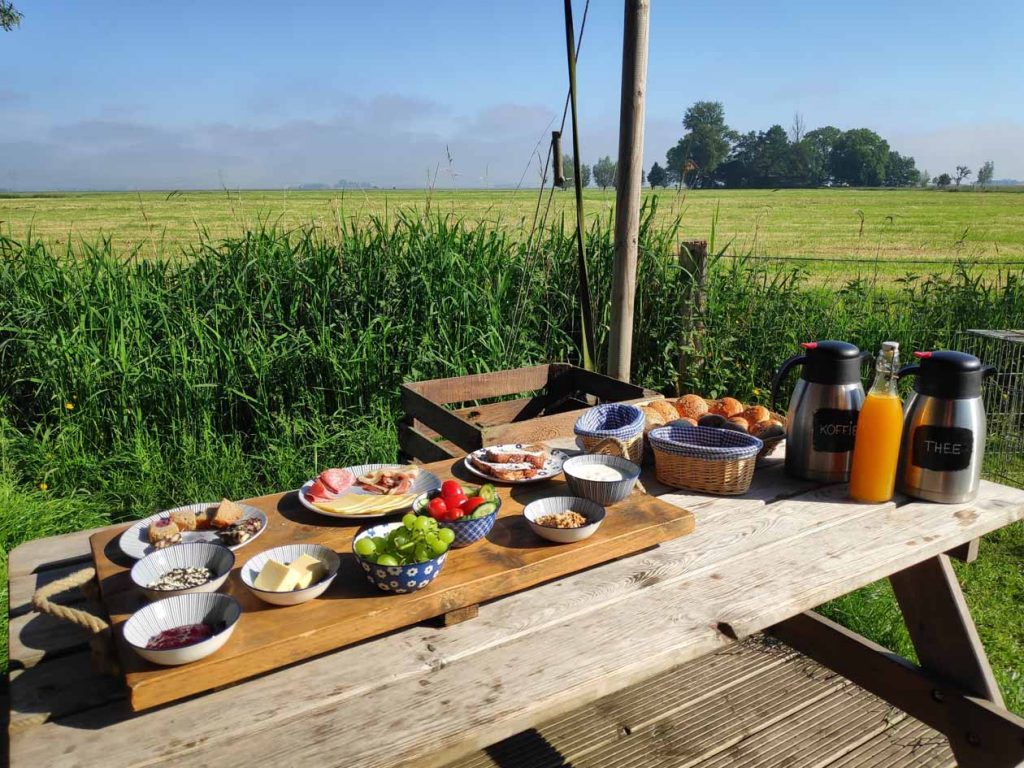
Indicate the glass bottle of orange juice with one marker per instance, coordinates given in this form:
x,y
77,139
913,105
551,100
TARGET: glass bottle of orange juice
x,y
879,426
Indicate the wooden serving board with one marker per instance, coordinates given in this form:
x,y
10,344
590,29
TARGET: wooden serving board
x,y
267,637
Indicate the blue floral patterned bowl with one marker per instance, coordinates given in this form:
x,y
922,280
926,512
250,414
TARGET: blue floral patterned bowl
x,y
396,578
466,530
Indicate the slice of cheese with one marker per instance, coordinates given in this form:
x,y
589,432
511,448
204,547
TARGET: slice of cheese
x,y
310,570
276,577
365,504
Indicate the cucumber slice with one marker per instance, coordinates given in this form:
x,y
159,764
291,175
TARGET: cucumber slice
x,y
484,510
488,492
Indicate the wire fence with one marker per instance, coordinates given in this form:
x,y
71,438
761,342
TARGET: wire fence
x,y
1004,399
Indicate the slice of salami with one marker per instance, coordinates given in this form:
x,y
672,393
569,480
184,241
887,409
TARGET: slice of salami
x,y
337,480
319,492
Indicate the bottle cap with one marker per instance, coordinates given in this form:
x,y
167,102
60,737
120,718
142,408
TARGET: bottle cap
x,y
893,345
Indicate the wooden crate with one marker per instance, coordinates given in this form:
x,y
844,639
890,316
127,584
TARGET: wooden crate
x,y
444,418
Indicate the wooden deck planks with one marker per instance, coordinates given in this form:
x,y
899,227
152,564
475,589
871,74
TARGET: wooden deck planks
x,y
706,712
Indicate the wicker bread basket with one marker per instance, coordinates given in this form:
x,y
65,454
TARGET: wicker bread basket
x,y
706,459
624,423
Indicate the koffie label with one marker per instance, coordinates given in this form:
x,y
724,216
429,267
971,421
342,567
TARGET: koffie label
x,y
834,430
943,449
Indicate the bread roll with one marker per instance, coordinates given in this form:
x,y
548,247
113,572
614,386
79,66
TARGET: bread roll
x,y
652,418
731,407
755,414
665,409
691,406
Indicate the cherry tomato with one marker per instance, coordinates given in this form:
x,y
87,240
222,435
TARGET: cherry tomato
x,y
437,508
454,513
472,504
454,502
452,488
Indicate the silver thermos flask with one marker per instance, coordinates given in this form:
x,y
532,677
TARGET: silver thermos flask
x,y
822,417
943,444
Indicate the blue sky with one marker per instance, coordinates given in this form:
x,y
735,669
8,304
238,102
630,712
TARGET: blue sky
x,y
135,95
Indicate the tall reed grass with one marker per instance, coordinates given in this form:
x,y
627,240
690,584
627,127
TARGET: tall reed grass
x,y
250,361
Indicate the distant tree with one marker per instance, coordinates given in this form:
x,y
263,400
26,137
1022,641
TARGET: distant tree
x,y
985,173
817,148
943,180
925,178
704,145
901,171
604,172
962,172
10,17
657,177
797,130
584,175
859,158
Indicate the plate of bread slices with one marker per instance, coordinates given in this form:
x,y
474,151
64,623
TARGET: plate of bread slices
x,y
516,463
225,522
367,490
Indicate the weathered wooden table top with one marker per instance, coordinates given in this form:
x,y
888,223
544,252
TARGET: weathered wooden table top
x,y
426,695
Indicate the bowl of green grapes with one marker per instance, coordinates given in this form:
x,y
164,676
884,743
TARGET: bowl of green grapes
x,y
403,557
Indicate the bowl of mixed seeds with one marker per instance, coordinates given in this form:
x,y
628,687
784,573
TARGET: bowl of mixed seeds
x,y
564,519
183,569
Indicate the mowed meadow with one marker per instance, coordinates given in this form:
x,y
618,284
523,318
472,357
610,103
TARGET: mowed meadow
x,y
159,349
869,225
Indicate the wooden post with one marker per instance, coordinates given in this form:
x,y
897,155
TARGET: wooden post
x,y
556,154
627,185
693,258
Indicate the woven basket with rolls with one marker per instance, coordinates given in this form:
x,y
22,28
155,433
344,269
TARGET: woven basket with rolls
x,y
624,423
718,461
723,413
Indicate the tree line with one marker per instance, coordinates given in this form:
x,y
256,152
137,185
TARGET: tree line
x,y
711,154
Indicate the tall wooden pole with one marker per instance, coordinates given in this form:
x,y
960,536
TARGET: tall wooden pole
x,y
627,186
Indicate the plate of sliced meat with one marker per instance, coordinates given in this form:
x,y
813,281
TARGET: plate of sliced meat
x,y
366,491
516,463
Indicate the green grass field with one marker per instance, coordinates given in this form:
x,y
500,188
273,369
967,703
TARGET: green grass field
x,y
887,225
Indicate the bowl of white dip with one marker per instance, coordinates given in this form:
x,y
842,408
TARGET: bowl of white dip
x,y
603,479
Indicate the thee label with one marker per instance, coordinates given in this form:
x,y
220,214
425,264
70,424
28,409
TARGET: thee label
x,y
834,430
943,449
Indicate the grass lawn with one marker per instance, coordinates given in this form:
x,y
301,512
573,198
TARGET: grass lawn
x,y
887,226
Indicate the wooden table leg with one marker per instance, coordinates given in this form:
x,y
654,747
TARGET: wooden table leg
x,y
980,733
946,640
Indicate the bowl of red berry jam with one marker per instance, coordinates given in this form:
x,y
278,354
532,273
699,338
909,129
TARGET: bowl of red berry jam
x,y
182,629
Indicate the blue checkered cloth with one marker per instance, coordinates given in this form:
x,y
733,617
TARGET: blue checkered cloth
x,y
611,420
708,443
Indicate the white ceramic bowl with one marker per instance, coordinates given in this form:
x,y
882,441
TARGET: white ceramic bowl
x,y
604,492
556,504
219,611
219,559
287,554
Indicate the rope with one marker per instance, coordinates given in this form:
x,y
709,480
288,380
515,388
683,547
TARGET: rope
x,y
88,621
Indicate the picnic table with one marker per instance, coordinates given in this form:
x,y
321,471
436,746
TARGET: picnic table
x,y
428,695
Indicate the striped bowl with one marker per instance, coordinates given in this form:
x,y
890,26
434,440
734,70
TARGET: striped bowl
x,y
219,611
557,504
604,492
219,559
286,554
